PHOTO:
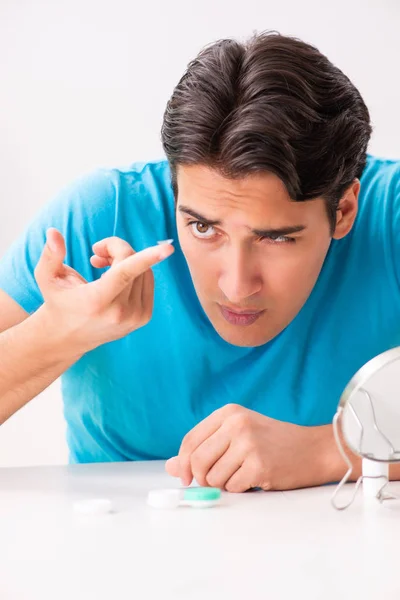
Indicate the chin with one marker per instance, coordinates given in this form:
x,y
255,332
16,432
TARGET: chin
x,y
242,336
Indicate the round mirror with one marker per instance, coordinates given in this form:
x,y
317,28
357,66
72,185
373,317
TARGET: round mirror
x,y
369,418
370,409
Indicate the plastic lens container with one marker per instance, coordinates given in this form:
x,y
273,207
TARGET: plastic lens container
x,y
196,497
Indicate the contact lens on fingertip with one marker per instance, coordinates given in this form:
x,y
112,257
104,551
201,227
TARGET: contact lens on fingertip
x,y
165,241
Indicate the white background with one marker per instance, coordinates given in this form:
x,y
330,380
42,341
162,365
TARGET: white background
x,y
83,84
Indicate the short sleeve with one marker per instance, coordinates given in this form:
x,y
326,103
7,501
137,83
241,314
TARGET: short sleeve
x,y
84,212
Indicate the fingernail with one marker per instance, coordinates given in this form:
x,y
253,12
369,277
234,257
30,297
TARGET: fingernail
x,y
165,242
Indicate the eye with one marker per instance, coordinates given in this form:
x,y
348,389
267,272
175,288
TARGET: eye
x,y
280,239
201,230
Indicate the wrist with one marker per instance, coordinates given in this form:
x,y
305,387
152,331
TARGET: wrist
x,y
57,336
334,465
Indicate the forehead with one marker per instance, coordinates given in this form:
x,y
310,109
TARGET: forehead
x,y
199,179
259,196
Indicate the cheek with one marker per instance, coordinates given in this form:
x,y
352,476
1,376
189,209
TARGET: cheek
x,y
295,271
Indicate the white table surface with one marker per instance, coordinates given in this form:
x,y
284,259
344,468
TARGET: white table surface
x,y
255,545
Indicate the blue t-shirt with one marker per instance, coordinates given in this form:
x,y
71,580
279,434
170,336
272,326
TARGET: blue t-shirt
x,y
136,398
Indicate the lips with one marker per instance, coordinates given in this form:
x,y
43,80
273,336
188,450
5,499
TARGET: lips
x,y
242,318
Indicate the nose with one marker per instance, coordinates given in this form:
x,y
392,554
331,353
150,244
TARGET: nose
x,y
239,279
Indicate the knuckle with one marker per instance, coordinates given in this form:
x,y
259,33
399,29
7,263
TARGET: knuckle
x,y
229,487
186,444
122,249
125,278
256,464
258,471
188,447
232,409
187,439
240,422
197,460
227,410
117,244
214,480
244,444
236,487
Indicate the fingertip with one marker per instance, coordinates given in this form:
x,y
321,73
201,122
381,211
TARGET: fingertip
x,y
99,262
51,230
54,234
186,481
165,251
186,474
172,466
51,239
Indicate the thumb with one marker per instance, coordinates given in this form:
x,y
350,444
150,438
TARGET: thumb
x,y
52,258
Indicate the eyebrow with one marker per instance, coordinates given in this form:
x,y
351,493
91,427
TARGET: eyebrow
x,y
276,232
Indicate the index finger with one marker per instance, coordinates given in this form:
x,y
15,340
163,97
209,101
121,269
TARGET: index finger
x,y
115,280
194,439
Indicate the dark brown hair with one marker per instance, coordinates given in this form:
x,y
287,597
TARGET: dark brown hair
x,y
271,104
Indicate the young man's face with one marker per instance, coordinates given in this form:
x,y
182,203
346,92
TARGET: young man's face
x,y
254,255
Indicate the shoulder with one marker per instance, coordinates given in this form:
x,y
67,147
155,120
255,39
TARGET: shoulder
x,y
105,196
376,234
105,185
379,194
381,175
147,181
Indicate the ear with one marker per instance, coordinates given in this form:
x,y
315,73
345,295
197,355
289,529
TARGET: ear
x,y
347,210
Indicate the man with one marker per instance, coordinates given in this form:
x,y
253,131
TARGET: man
x,y
283,283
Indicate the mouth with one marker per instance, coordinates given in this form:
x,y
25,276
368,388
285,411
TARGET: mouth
x,y
243,318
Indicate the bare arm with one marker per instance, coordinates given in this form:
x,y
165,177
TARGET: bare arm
x,y
76,316
237,449
32,355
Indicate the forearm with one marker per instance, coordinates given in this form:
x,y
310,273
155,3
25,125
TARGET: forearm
x,y
33,354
